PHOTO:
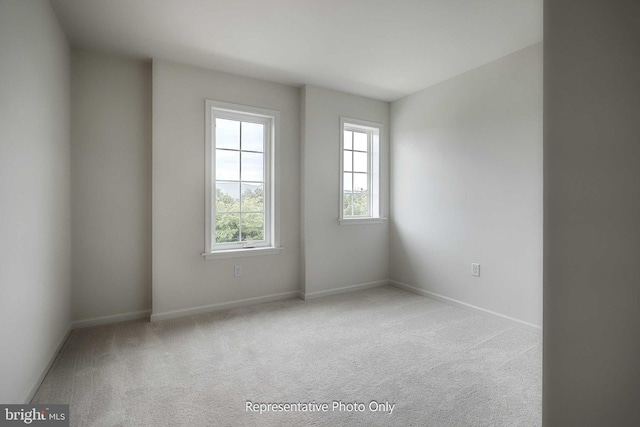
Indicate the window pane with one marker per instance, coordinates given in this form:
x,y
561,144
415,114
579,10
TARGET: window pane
x,y
252,167
360,182
360,163
227,196
252,136
227,228
348,160
252,197
360,141
227,134
360,204
252,226
347,139
347,203
347,184
227,165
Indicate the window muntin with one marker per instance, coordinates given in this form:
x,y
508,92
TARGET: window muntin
x,y
360,170
239,177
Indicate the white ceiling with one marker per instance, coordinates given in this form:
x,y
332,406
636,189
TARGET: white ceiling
x,y
383,49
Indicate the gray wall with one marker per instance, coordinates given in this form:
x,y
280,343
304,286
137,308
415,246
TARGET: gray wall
x,y
111,185
338,256
34,194
182,278
466,186
592,213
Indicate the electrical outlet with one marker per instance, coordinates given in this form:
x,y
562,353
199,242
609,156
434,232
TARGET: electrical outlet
x,y
237,270
475,269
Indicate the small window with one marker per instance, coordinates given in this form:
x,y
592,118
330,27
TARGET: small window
x,y
239,186
359,170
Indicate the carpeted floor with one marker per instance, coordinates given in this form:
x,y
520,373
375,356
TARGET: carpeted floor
x,y
439,365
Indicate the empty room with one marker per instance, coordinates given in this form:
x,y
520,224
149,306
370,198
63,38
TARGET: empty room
x,y
304,212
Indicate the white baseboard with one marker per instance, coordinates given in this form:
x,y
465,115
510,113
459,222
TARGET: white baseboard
x,y
115,318
512,320
342,290
223,305
36,385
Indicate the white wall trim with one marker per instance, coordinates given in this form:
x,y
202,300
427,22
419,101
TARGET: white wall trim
x,y
511,320
240,253
342,290
361,221
115,318
223,305
36,385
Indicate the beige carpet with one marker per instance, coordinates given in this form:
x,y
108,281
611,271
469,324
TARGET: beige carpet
x,y
439,365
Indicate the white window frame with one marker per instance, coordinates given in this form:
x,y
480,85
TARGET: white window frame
x,y
271,120
374,142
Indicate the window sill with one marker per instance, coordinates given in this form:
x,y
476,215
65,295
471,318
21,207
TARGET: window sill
x,y
361,221
239,253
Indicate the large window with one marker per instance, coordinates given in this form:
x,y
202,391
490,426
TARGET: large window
x,y
240,182
360,171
